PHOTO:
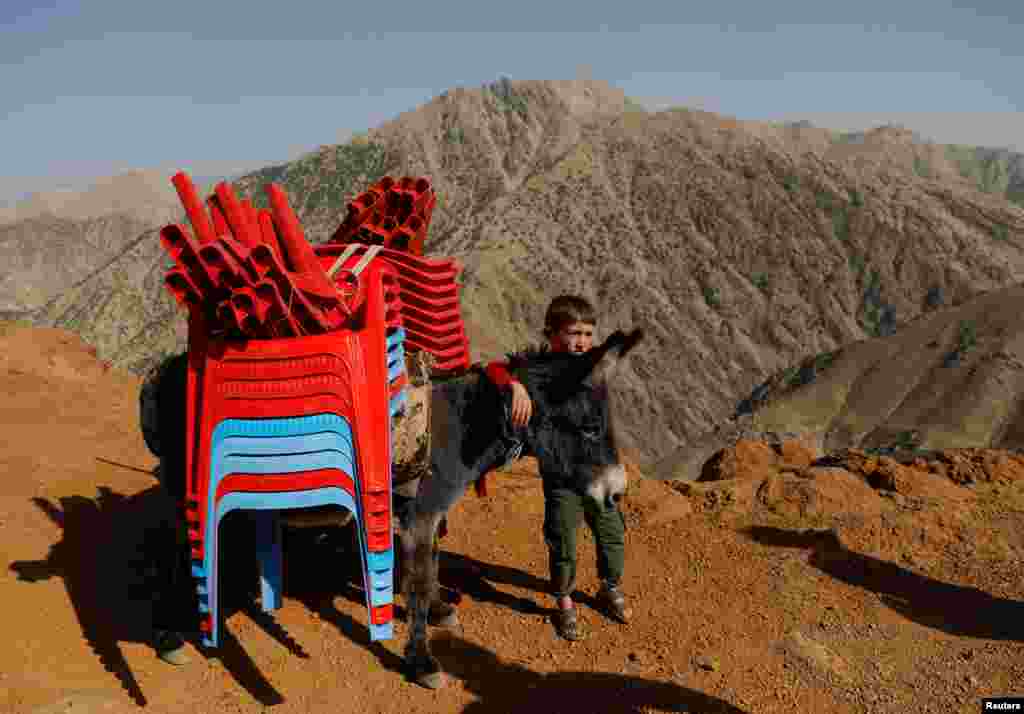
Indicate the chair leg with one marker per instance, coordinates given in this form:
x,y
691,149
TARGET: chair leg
x,y
208,596
268,545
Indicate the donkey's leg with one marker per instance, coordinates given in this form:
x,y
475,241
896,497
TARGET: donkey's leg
x,y
421,578
442,614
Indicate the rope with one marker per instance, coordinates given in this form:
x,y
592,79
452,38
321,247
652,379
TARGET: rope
x,y
345,255
369,255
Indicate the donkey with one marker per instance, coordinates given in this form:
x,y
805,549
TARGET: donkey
x,y
571,431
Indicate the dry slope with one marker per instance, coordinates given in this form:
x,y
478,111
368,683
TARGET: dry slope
x,y
854,585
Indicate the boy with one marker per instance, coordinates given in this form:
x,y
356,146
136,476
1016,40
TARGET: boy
x,y
162,417
569,327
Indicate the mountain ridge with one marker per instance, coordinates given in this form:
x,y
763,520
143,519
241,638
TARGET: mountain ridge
x,y
743,247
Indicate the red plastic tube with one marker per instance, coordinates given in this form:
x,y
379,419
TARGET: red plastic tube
x,y
279,318
193,207
255,303
268,235
263,259
235,215
419,204
176,241
243,301
229,272
241,255
185,252
310,319
399,239
182,288
359,210
220,223
252,219
297,252
311,290
226,315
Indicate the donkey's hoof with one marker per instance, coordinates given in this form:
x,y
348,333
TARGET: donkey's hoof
x,y
433,680
443,615
426,671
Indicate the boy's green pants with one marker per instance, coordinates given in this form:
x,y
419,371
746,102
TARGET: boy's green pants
x,y
562,509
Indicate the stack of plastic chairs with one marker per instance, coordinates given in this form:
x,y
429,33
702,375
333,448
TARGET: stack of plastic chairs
x,y
429,300
296,423
392,214
300,416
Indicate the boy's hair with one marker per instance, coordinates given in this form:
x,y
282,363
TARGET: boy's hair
x,y
565,310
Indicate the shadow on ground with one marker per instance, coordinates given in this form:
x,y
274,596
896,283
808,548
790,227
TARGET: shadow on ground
x,y
320,564
106,558
954,609
463,574
458,575
506,687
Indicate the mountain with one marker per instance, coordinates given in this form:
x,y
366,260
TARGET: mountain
x,y
90,261
146,195
743,247
953,378
990,170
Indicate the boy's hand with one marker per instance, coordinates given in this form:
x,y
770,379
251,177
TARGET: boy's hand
x,y
522,407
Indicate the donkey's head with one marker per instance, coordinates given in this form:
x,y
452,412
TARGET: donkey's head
x,y
572,432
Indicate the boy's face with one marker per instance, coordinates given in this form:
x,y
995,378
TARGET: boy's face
x,y
576,337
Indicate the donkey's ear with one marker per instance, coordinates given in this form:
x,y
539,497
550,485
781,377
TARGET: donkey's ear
x,y
617,346
630,341
622,341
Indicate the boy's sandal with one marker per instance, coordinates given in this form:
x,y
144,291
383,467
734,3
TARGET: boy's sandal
x,y
615,603
566,624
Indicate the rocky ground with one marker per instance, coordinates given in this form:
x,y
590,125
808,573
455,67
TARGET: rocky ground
x,y
784,580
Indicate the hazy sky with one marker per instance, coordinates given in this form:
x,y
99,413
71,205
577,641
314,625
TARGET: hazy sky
x,y
92,88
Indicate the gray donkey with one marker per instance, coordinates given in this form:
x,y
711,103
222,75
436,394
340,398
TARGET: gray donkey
x,y
571,432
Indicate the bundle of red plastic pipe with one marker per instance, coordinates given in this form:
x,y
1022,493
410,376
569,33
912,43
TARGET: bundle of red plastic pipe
x,y
254,274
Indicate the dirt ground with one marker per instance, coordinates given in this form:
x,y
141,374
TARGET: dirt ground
x,y
857,586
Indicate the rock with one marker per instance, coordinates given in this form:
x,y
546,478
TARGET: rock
x,y
820,491
708,663
734,494
934,298
970,466
670,510
748,459
797,453
807,374
887,321
815,655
